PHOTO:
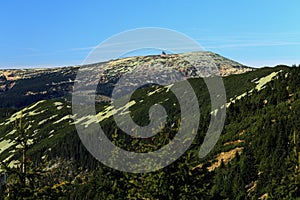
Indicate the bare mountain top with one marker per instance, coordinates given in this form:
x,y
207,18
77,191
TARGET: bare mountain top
x,y
30,85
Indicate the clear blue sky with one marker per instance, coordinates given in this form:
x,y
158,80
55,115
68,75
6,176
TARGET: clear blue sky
x,y
58,33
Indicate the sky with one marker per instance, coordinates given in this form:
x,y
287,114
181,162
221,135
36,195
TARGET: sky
x,y
63,33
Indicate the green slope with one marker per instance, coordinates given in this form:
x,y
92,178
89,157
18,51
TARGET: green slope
x,y
256,144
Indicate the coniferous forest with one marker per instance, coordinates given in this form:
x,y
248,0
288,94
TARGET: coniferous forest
x,y
257,155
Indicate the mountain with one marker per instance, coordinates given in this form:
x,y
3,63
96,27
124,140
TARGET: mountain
x,y
257,155
31,85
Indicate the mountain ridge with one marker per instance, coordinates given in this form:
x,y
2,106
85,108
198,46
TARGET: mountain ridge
x,y
37,84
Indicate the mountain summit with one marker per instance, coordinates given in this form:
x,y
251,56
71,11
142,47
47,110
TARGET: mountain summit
x,y
31,85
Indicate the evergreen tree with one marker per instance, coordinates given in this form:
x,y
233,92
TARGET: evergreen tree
x,y
24,179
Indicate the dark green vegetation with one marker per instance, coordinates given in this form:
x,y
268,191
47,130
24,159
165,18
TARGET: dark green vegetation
x,y
258,151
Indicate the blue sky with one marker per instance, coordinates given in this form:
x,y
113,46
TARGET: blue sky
x,y
60,33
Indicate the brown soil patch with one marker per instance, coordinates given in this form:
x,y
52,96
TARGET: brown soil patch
x,y
226,157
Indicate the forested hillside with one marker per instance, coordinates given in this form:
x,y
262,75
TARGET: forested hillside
x,y
256,157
